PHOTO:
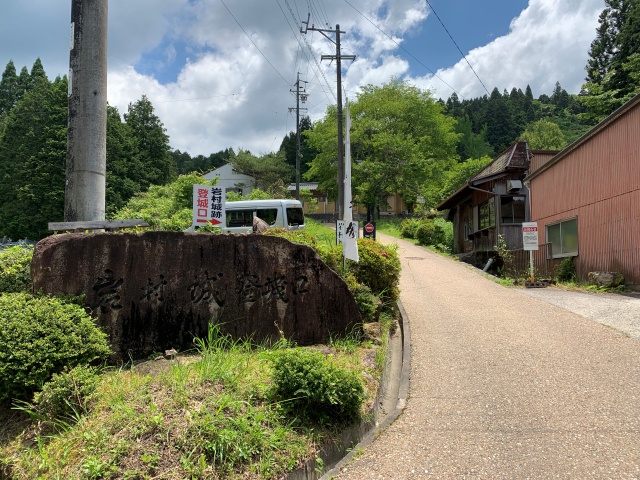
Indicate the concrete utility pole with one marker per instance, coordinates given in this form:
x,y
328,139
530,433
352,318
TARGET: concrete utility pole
x,y
87,136
300,95
337,57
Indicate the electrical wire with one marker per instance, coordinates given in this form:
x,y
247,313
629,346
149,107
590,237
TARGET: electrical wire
x,y
404,49
254,43
454,42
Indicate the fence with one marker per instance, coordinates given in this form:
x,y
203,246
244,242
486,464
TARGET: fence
x,y
544,266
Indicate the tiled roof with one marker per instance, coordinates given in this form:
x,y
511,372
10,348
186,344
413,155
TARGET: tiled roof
x,y
514,157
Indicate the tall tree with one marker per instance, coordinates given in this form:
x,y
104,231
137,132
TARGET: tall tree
x,y
603,47
401,142
611,69
628,43
32,157
472,145
289,146
124,168
152,143
544,135
501,130
9,88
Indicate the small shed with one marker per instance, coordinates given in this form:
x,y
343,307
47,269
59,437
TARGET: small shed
x,y
586,199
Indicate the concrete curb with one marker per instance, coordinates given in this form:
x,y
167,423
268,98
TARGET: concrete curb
x,y
402,389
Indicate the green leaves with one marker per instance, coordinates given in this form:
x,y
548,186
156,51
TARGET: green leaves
x,y
400,142
40,336
15,269
314,388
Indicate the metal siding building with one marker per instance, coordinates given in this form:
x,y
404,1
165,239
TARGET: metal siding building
x,y
596,180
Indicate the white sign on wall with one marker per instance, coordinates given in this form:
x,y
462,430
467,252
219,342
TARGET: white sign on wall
x,y
530,235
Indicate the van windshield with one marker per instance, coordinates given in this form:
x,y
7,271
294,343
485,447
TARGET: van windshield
x,y
295,216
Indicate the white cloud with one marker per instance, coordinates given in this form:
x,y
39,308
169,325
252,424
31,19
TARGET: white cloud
x,y
227,93
548,42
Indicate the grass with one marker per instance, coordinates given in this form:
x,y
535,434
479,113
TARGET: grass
x,y
326,235
209,415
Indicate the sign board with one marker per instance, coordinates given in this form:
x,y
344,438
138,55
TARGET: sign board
x,y
347,234
530,235
208,206
344,229
369,230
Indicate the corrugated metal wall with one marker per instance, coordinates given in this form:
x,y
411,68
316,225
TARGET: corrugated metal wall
x,y
540,157
599,183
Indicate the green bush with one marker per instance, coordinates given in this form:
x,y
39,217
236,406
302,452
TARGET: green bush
x,y
368,303
408,227
67,393
378,269
330,254
566,270
313,388
295,236
40,336
15,269
447,234
428,233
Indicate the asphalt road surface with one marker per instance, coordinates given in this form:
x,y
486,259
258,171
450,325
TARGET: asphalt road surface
x,y
504,385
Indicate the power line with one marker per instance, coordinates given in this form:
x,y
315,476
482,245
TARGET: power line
x,y
454,42
319,69
400,46
254,43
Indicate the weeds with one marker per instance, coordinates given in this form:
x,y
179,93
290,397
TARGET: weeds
x,y
212,415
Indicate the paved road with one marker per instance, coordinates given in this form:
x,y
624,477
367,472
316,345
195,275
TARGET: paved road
x,y
505,386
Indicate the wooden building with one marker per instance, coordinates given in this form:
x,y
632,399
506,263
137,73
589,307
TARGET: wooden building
x,y
493,202
586,199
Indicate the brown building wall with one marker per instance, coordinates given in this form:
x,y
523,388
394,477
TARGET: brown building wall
x,y
599,183
540,158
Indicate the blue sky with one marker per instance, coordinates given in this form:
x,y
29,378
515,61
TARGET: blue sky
x,y
219,72
471,23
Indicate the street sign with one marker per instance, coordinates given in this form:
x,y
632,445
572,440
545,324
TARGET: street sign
x,y
369,230
530,235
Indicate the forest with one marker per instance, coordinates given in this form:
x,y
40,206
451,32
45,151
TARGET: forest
x,y
425,152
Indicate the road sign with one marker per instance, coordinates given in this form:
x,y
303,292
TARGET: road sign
x,y
530,235
369,230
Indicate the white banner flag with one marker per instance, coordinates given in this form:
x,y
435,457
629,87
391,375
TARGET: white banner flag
x,y
350,239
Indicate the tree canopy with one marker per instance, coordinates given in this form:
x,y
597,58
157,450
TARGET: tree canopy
x,y
613,68
401,142
33,147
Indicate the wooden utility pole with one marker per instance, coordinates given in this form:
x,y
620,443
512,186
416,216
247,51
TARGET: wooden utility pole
x,y
338,57
300,95
84,198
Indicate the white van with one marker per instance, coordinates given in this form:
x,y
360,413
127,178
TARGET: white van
x,y
277,213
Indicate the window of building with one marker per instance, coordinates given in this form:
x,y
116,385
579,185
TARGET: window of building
x,y
486,214
512,209
563,237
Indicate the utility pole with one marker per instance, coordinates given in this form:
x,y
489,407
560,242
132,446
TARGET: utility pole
x,y
84,198
337,57
300,95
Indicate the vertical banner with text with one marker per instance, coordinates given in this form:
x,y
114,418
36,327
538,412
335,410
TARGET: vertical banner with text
x,y
208,206
349,227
